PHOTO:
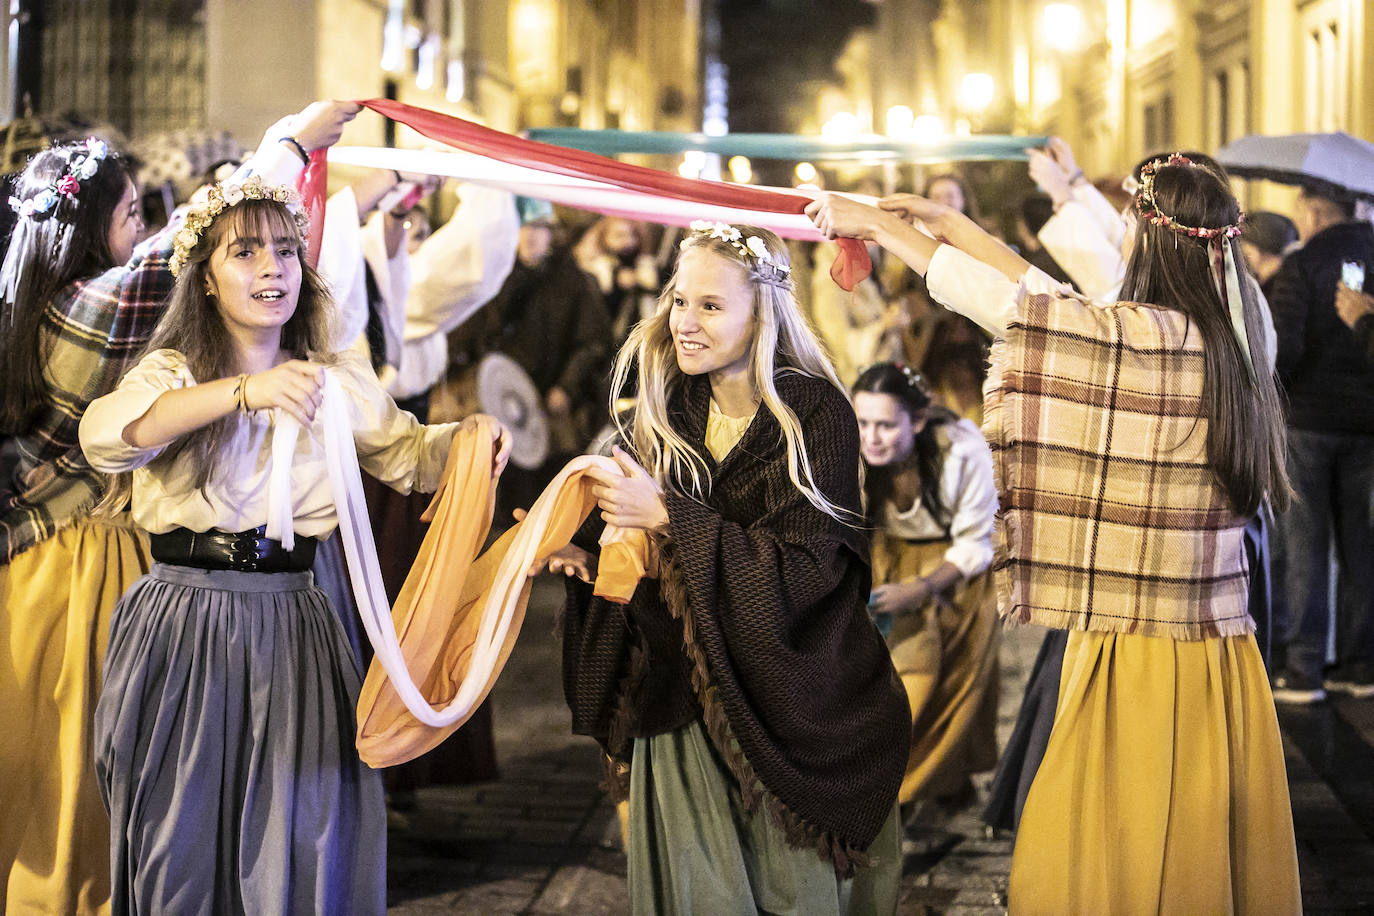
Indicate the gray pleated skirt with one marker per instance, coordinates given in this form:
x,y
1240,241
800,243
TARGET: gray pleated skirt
x,y
224,751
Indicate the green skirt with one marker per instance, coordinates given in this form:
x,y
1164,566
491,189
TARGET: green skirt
x,y
694,849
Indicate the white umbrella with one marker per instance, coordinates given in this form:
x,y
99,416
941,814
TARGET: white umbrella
x,y
1335,161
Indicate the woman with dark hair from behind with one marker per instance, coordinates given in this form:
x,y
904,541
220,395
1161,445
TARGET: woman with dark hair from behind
x,y
76,307
79,302
1132,440
929,498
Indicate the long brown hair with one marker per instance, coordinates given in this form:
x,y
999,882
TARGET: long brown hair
x,y
46,253
193,326
1245,429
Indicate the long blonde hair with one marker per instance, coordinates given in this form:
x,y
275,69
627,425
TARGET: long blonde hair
x,y
783,342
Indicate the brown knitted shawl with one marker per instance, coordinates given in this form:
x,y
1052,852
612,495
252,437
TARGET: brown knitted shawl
x,y
758,625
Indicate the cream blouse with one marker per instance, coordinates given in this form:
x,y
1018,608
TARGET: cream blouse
x,y
392,446
967,490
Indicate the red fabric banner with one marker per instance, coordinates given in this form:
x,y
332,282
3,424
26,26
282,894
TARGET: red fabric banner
x,y
848,270
312,185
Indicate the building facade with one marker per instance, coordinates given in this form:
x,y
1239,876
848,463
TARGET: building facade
x,y
146,66
1119,78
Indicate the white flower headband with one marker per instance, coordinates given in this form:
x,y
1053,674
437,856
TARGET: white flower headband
x,y
210,201
83,164
751,247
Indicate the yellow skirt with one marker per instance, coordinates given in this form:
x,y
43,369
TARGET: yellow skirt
x,y
56,598
946,656
1163,789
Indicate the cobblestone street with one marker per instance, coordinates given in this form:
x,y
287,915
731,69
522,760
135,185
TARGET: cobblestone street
x,y
543,839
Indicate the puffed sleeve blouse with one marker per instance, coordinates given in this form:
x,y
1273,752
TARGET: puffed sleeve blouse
x,y
967,490
392,446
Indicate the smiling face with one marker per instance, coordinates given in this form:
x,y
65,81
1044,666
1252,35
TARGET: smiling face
x,y
712,317
887,432
254,275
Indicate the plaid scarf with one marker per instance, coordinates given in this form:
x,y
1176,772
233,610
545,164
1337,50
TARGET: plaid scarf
x,y
1111,517
92,332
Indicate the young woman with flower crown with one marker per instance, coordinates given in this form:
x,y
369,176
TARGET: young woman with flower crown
x,y
225,731
1130,443
747,704
79,302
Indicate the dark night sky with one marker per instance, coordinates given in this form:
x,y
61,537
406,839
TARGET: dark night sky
x,y
773,47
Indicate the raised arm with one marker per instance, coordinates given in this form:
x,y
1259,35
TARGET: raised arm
x,y
967,270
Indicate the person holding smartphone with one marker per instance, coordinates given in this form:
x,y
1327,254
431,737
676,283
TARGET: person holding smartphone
x,y
1328,378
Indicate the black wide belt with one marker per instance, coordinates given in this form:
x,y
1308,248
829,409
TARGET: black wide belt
x,y
245,551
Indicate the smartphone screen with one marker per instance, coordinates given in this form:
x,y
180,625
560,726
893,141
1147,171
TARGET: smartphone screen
x,y
1352,275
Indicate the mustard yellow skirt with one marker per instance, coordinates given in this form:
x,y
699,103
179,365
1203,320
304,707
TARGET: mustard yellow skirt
x,y
946,656
56,599
1163,789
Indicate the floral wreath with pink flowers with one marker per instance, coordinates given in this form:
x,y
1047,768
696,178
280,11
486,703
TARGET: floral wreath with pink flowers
x,y
1148,209
211,200
83,164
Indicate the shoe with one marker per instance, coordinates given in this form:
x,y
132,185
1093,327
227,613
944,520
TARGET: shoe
x,y
1291,687
1357,682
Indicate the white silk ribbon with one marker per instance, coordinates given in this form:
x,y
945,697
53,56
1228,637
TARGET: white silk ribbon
x,y
583,193
1228,285
360,551
280,524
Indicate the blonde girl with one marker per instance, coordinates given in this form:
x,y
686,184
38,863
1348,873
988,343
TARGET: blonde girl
x,y
746,702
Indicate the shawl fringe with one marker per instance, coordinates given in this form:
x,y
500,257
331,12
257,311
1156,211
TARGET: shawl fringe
x,y
1095,623
799,832
619,740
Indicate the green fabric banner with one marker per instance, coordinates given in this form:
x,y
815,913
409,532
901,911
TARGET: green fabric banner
x,y
791,146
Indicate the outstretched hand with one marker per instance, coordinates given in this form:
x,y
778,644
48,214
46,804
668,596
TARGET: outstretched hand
x,y
837,216
1063,155
570,560
1352,305
296,386
629,500
913,208
320,124
1049,175
500,440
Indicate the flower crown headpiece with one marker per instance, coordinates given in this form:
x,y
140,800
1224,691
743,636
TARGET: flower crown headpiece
x,y
210,201
83,164
751,247
1148,209
913,378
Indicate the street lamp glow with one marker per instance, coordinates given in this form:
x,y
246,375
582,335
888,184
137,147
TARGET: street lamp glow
x,y
741,170
693,162
805,172
1063,25
899,118
927,128
976,92
841,126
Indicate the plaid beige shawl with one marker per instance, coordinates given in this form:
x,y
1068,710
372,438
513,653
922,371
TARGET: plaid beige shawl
x,y
1111,518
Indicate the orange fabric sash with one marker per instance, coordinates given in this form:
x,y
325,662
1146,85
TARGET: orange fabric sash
x,y
452,592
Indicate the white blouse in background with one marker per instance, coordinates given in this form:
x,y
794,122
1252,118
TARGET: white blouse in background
x,y
392,446
970,499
